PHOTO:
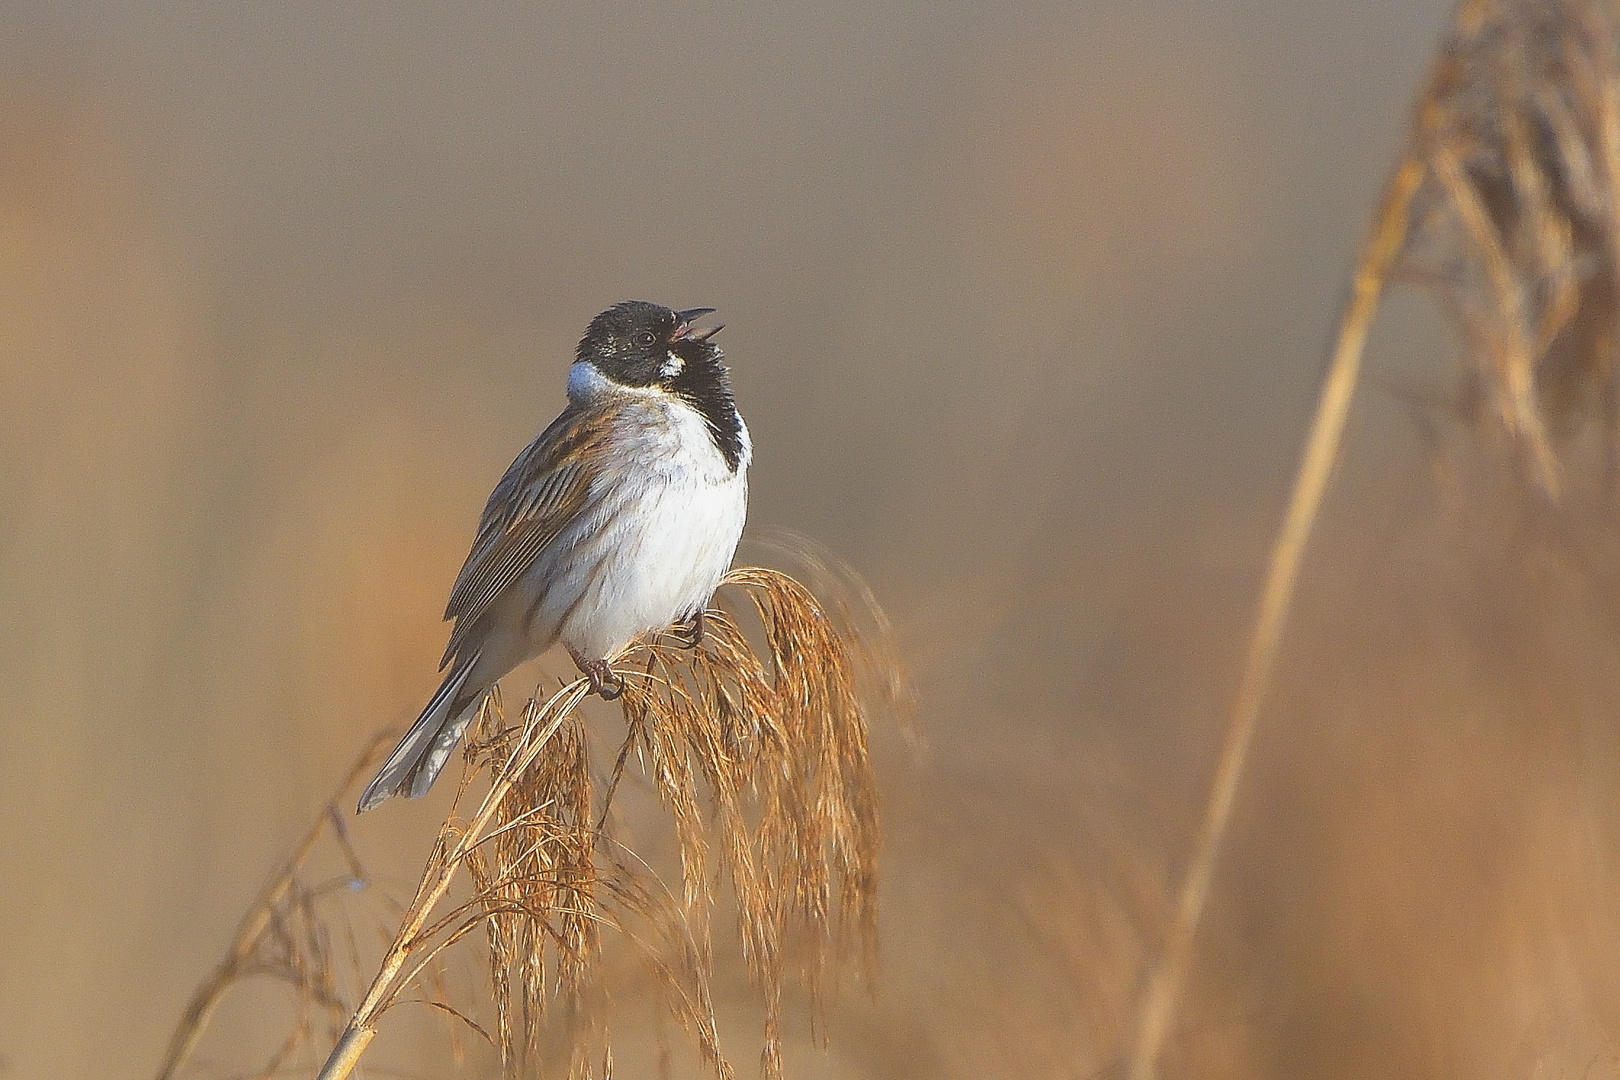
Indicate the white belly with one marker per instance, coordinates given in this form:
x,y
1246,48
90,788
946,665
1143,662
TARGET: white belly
x,y
669,538
662,564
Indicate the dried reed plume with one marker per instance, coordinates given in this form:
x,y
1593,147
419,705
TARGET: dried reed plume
x,y
1505,206
1515,222
760,753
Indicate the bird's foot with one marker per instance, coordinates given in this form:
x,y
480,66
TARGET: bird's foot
x,y
689,633
603,682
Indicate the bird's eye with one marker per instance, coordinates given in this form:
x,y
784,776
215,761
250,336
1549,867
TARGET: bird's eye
x,y
645,338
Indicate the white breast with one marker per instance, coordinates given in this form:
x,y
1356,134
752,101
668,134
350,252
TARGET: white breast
x,y
672,526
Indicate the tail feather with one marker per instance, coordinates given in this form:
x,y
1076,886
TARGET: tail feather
x,y
420,756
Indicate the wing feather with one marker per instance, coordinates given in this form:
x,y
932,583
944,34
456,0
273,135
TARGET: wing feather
x,y
546,488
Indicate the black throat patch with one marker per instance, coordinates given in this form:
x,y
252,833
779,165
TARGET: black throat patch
x,y
704,385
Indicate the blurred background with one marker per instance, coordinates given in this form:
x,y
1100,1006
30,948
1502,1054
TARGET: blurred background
x,y
1026,310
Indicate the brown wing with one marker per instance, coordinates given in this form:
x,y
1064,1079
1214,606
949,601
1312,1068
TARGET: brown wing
x,y
546,488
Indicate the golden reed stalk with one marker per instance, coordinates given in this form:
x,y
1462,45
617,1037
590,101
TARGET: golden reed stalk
x,y
436,879
1379,253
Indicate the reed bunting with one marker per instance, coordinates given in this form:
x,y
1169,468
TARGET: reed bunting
x,y
621,518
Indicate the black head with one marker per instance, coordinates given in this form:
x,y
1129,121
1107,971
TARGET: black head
x,y
644,345
640,344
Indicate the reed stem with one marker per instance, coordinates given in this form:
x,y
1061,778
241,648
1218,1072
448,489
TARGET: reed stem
x,y
1379,252
357,1035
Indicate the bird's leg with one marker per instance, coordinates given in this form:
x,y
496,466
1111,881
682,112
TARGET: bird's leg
x,y
603,681
690,632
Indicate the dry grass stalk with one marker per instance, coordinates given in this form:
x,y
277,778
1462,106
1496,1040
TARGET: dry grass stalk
x,y
283,936
1506,205
763,752
1163,992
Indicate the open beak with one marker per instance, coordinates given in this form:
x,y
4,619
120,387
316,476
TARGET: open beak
x,y
684,330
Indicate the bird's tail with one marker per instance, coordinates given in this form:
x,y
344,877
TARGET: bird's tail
x,y
416,762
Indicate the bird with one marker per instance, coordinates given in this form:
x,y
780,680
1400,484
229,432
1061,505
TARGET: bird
x,y
619,519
